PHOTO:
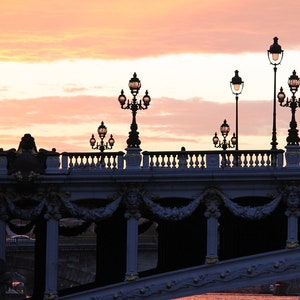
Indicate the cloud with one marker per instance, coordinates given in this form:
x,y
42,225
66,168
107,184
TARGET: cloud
x,y
55,30
67,123
73,88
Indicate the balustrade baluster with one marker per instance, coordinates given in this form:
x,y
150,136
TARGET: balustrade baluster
x,y
103,160
98,161
157,160
86,161
168,161
190,161
151,164
71,165
235,160
196,163
223,160
162,160
92,164
81,165
174,160
228,161
262,164
77,161
187,160
251,160
108,158
114,163
202,156
76,164
268,161
244,161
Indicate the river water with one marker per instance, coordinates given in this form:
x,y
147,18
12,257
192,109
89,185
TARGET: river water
x,y
239,296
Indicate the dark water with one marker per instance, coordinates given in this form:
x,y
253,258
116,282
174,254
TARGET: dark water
x,y
238,296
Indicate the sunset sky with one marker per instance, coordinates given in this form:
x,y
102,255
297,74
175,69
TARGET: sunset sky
x,y
63,64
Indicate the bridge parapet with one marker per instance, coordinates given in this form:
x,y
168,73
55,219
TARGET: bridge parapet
x,y
91,160
213,159
76,161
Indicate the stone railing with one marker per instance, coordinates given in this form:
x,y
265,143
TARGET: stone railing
x,y
91,160
174,159
213,159
135,159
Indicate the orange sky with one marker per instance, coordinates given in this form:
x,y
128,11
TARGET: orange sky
x,y
35,30
62,112
188,123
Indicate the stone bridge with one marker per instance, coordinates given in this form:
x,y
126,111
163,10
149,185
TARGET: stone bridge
x,y
220,219
76,260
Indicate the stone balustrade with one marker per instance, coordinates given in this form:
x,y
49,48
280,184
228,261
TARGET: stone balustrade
x,y
213,159
135,158
91,160
171,159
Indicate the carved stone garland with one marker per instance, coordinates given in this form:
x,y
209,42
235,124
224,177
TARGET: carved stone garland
x,y
170,213
249,212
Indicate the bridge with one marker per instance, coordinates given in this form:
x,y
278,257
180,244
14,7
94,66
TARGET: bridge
x,y
76,255
222,219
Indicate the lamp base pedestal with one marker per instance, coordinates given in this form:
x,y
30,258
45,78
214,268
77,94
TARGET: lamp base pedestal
x,y
292,156
133,158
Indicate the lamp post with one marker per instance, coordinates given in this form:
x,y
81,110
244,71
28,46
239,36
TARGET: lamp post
x,y
224,128
237,85
134,105
102,130
275,55
293,103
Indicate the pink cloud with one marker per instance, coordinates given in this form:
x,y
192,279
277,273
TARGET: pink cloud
x,y
52,30
74,89
66,123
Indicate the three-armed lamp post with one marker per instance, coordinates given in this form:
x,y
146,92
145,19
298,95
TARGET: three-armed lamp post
x,y
293,103
275,55
237,85
224,128
102,130
134,105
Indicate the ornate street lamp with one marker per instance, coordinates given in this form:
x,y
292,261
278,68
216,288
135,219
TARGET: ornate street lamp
x,y
224,128
275,55
293,103
134,105
102,130
237,85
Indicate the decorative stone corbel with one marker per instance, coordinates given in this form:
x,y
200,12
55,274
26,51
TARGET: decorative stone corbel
x,y
132,198
53,204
